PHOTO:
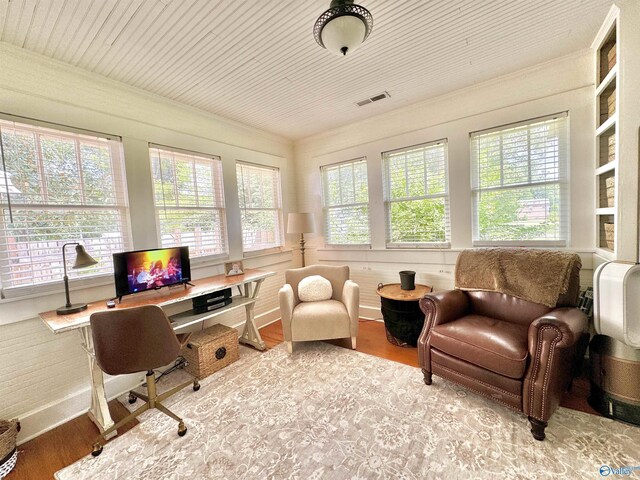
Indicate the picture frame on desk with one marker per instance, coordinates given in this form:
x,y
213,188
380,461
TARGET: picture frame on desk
x,y
233,268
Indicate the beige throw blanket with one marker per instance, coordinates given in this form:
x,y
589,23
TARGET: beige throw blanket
x,y
539,276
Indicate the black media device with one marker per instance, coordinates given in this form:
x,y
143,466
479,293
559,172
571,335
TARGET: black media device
x,y
211,301
143,270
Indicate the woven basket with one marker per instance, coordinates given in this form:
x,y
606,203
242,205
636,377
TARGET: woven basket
x,y
609,230
8,453
611,191
210,350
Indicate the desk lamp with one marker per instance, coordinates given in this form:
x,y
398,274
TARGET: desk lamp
x,y
83,259
301,223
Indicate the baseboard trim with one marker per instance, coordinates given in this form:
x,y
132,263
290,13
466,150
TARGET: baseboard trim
x,y
370,313
52,415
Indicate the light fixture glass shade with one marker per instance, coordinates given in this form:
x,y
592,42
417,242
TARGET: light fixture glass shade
x,y
301,223
343,34
83,259
343,27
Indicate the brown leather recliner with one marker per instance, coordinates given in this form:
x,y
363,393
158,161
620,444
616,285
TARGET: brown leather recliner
x,y
513,351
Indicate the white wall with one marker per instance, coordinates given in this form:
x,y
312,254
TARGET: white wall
x,y
565,84
44,377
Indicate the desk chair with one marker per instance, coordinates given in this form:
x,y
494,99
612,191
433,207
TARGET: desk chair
x,y
134,340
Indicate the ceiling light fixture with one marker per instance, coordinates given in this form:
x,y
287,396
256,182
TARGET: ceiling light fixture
x,y
343,28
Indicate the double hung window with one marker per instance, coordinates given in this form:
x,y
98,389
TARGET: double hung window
x,y
58,187
519,183
189,201
260,199
416,196
346,203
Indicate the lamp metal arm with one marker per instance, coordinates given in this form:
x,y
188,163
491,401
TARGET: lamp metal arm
x,y
66,278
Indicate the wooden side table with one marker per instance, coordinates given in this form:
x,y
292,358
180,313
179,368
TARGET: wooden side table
x,y
403,319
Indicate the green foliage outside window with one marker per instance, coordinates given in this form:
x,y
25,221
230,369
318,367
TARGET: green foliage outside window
x,y
518,190
65,190
189,201
259,196
416,195
346,203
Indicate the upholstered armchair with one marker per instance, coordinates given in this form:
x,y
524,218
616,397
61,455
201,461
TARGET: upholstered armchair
x,y
512,350
336,317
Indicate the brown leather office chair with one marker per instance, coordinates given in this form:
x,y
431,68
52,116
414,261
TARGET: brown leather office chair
x,y
516,352
135,340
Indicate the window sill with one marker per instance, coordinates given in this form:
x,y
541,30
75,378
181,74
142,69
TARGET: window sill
x,y
531,244
419,246
264,252
26,292
208,260
330,247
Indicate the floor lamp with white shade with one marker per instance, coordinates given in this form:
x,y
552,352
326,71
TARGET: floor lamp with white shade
x,y
301,223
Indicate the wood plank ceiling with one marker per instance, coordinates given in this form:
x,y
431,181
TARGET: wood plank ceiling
x,y
256,62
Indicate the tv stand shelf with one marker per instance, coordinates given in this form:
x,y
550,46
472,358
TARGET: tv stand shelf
x,y
188,318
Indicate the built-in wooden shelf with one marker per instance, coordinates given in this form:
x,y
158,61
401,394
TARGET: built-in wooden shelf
x,y
606,211
610,122
608,80
607,167
606,138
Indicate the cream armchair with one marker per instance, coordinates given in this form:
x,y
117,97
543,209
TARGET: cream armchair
x,y
322,320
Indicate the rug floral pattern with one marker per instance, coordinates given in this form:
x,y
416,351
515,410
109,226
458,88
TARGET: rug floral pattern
x,y
331,413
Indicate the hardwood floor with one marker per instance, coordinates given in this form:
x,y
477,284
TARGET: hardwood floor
x,y
41,457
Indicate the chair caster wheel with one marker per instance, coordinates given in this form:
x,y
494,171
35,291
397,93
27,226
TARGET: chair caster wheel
x,y
182,429
196,386
132,398
97,449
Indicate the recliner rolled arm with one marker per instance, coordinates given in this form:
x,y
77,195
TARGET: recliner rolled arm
x,y
443,307
569,324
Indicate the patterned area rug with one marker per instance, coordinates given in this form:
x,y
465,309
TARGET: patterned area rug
x,y
331,413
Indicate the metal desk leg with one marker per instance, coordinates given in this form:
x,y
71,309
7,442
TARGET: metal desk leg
x,y
251,335
99,411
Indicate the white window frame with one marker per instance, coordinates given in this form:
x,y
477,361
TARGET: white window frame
x,y
120,206
163,208
562,182
444,195
324,169
279,231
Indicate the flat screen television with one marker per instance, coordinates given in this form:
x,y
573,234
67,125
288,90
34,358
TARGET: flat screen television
x,y
150,269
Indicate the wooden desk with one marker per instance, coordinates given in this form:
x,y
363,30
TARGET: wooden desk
x,y
248,285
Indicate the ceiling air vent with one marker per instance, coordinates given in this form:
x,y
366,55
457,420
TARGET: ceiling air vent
x,y
375,98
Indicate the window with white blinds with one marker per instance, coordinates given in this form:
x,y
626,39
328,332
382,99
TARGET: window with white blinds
x,y
416,196
346,203
260,198
58,187
519,183
189,199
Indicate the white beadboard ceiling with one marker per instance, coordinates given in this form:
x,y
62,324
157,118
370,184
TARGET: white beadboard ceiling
x,y
256,61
